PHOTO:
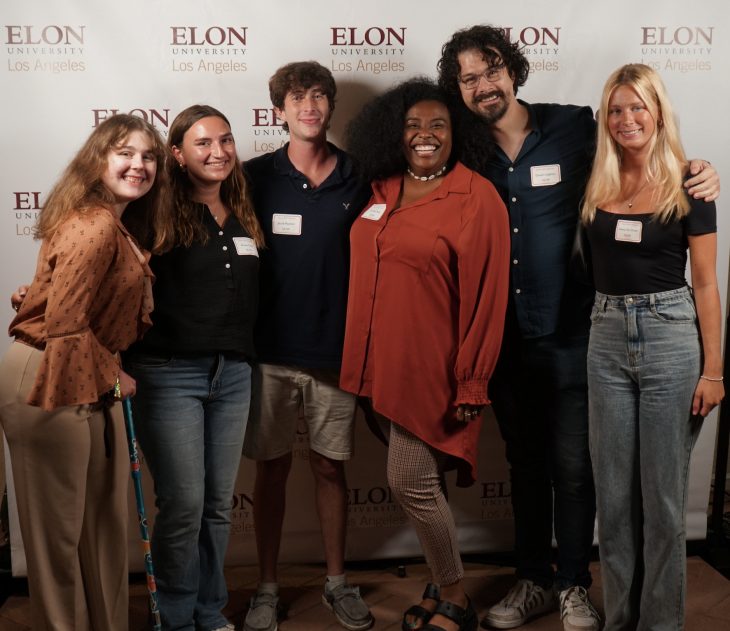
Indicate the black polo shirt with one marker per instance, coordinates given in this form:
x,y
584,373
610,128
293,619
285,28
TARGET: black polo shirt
x,y
542,190
305,265
206,296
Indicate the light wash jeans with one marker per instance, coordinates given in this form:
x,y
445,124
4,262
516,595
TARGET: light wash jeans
x,y
191,415
643,366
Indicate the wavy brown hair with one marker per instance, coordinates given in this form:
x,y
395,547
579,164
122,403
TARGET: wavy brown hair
x,y
80,187
181,222
301,75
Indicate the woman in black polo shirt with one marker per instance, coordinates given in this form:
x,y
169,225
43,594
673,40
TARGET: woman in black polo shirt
x,y
654,360
192,370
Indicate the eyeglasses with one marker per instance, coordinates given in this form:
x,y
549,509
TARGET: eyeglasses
x,y
491,74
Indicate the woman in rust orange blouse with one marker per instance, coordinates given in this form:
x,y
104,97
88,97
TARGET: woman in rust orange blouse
x,y
90,298
428,293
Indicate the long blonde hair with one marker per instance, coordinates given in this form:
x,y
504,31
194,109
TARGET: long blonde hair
x,y
80,187
181,221
667,161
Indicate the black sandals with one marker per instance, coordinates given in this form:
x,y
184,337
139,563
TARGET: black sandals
x,y
421,614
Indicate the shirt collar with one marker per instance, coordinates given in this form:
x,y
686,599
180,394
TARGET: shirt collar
x,y
535,127
457,180
284,166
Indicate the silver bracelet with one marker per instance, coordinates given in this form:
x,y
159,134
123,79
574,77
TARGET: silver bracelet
x,y
712,378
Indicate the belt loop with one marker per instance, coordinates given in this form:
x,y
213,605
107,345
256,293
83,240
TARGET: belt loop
x,y
652,300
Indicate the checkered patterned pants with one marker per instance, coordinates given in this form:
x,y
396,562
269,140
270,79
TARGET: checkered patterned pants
x,y
415,475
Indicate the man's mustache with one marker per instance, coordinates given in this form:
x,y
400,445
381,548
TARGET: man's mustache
x,y
488,95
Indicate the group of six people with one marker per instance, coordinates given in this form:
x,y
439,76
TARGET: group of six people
x,y
431,270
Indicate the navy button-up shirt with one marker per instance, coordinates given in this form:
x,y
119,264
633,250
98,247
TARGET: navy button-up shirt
x,y
542,190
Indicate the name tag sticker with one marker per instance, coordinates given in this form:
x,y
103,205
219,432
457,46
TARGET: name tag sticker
x,y
245,246
628,230
286,224
375,212
545,175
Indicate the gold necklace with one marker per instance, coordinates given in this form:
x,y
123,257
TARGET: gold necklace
x,y
630,202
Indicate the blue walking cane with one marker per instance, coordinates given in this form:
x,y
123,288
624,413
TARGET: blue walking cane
x,y
143,531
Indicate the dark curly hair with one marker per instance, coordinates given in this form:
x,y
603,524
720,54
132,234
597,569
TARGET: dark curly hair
x,y
301,74
374,137
493,43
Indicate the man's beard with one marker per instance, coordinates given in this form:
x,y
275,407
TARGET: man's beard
x,y
493,113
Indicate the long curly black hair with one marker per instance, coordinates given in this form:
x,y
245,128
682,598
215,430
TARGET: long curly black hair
x,y
374,137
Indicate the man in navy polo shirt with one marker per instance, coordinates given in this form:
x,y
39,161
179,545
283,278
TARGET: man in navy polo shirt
x,y
306,198
538,156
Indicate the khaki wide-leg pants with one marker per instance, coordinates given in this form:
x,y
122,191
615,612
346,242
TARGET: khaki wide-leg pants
x,y
72,504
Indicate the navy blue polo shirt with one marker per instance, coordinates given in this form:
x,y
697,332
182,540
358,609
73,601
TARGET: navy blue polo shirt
x,y
542,190
305,264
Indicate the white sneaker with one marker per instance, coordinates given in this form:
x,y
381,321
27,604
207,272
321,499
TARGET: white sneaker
x,y
524,601
576,610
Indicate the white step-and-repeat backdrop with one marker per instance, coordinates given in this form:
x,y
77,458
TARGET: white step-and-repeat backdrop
x,y
68,64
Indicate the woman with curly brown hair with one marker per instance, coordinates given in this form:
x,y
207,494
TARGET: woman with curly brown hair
x,y
90,298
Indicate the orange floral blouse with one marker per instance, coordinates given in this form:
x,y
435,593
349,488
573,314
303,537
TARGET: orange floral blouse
x,y
90,298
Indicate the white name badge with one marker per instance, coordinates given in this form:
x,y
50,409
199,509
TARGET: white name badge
x,y
628,230
286,224
375,212
245,246
545,175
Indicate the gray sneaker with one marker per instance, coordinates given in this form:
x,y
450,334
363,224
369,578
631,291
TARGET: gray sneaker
x,y
262,612
524,601
348,606
576,610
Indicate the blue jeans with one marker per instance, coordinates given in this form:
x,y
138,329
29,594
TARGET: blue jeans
x,y
643,367
540,398
191,415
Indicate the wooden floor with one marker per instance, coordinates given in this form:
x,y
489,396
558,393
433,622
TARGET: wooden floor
x,y
708,596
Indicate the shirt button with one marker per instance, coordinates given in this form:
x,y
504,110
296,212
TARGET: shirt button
x,y
514,199
304,185
225,248
518,291
511,169
228,265
515,230
515,261
220,233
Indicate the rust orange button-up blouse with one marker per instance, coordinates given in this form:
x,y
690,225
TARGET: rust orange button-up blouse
x,y
426,308
90,298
